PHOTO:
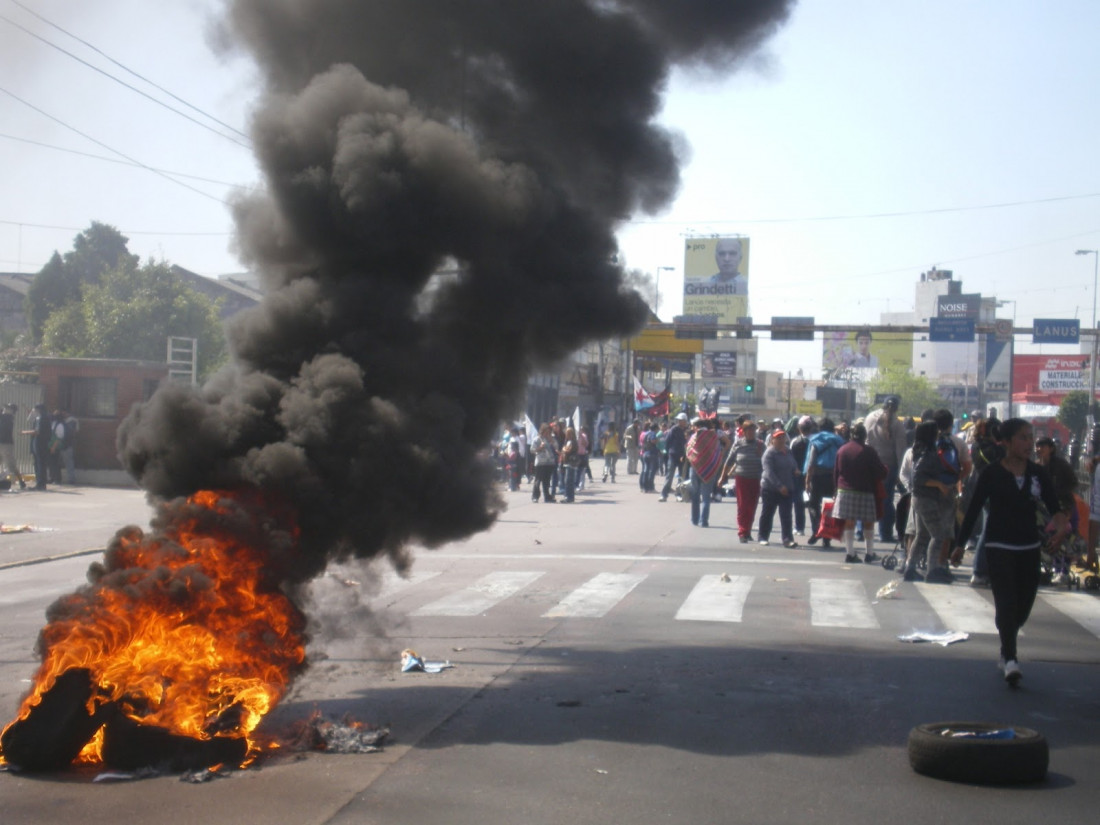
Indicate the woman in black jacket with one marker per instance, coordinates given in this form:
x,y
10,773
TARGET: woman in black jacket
x,y
1013,487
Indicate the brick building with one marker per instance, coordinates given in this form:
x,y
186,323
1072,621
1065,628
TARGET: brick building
x,y
100,392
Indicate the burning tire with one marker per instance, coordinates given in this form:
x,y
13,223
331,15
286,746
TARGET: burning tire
x,y
978,752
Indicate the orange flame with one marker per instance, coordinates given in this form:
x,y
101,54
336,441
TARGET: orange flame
x,y
186,630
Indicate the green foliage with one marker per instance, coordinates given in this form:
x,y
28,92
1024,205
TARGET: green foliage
x,y
96,250
916,392
1073,411
130,313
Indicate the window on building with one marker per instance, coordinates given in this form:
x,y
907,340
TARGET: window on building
x,y
89,397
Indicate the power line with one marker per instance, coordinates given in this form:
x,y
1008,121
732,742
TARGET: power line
x,y
146,95
125,68
109,148
870,215
123,231
113,160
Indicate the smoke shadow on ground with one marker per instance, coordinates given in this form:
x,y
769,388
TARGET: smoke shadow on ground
x,y
717,701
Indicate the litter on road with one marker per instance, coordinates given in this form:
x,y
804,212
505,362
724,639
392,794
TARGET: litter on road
x,y
946,638
410,662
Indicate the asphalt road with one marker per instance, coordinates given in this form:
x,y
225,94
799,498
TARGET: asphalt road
x,y
611,663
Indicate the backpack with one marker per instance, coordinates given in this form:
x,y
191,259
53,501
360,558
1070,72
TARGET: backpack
x,y
950,468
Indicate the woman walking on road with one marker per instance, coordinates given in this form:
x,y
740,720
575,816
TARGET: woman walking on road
x,y
746,464
777,489
1013,486
858,473
546,459
610,452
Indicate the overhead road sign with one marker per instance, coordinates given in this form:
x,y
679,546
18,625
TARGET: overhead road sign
x,y
696,326
951,330
792,328
662,341
1056,331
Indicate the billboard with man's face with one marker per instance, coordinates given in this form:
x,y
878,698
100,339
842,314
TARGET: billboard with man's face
x,y
716,278
866,350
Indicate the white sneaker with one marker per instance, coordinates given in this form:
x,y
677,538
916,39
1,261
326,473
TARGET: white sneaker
x,y
981,581
1013,674
763,542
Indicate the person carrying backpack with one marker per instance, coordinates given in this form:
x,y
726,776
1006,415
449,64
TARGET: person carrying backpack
x,y
940,465
818,472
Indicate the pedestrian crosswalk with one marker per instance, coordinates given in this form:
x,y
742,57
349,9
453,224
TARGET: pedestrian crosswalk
x,y
829,602
716,598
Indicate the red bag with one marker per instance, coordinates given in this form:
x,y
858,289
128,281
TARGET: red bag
x,y
830,527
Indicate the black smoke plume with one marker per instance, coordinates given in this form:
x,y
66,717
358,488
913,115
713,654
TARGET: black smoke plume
x,y
498,143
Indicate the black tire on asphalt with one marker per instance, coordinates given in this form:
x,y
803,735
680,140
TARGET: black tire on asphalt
x,y
1023,758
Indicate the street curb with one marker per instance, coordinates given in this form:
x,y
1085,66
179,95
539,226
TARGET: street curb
x,y
59,557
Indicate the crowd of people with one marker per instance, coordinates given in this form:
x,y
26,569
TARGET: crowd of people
x,y
52,442
931,489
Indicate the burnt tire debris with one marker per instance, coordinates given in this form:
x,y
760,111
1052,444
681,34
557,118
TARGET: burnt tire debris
x,y
978,752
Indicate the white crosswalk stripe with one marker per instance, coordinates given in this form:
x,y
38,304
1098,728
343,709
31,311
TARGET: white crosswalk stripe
x,y
959,608
840,603
832,602
483,594
1083,608
716,599
595,597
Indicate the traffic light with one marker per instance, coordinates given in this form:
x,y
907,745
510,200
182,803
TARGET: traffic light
x,y
749,386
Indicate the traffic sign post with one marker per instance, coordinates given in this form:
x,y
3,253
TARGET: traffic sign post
x,y
951,330
1056,331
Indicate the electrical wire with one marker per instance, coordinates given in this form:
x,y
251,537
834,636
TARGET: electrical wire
x,y
121,82
868,215
113,160
126,68
44,113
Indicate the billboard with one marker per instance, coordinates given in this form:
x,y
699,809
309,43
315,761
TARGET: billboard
x,y
719,364
862,349
716,278
959,306
1051,376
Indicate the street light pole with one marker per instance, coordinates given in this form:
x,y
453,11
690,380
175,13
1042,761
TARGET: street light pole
x,y
1092,361
1011,354
657,308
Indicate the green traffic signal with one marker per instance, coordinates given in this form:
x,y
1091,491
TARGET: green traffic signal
x,y
748,386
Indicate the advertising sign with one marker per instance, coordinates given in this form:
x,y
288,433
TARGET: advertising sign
x,y
716,278
1060,381
719,364
867,350
1047,378
959,306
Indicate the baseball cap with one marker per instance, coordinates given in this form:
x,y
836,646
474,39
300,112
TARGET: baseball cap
x,y
682,417
892,401
778,433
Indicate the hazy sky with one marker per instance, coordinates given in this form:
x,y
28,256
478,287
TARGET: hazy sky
x,y
970,126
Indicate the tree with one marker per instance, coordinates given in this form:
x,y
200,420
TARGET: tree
x,y
916,392
1073,411
96,250
130,313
